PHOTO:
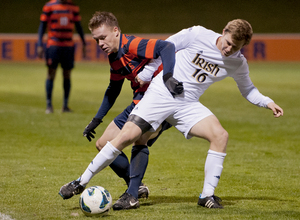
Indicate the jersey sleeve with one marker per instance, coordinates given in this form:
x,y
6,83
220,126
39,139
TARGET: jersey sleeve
x,y
152,49
45,13
181,40
247,88
147,73
112,92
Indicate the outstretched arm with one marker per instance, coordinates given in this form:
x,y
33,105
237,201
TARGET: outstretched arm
x,y
111,94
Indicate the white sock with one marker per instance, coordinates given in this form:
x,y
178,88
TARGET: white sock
x,y
104,158
213,169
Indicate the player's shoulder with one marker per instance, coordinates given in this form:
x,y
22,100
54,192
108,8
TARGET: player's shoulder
x,y
128,37
199,28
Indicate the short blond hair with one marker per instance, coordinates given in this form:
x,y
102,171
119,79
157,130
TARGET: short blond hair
x,y
240,30
103,17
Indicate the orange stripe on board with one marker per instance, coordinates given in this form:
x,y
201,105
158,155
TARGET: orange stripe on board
x,y
150,48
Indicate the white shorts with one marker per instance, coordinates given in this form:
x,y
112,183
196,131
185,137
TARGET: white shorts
x,y
157,106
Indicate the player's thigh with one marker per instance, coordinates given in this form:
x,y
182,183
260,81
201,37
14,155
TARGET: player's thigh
x,y
52,57
187,115
209,128
128,135
110,133
147,136
67,57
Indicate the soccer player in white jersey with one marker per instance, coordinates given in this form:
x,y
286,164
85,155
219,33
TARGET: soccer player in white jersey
x,y
203,57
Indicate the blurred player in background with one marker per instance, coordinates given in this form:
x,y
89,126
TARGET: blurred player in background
x,y
127,57
203,57
60,16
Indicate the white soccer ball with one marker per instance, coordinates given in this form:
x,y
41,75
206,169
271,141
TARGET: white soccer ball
x,y
95,200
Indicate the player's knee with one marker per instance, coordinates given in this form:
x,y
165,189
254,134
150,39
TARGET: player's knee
x,y
99,145
221,139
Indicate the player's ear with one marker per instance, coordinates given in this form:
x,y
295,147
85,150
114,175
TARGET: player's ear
x,y
117,32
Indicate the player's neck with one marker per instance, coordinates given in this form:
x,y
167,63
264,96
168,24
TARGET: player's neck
x,y
219,44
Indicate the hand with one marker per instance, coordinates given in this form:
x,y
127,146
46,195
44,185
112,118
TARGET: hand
x,y
277,111
40,51
173,85
90,128
141,82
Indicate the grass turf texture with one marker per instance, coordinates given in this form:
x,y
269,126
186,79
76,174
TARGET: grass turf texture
x,y
40,153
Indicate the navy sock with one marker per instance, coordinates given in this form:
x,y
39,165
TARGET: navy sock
x,y
67,89
138,166
121,167
49,88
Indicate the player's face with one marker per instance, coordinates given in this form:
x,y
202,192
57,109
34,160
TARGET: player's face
x,y
229,46
107,38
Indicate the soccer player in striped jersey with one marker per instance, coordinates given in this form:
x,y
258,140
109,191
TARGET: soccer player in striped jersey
x,y
61,17
127,57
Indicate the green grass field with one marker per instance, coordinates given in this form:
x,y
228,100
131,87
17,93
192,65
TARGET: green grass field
x,y
40,153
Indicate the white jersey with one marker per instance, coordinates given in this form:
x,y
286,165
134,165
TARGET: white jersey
x,y
199,63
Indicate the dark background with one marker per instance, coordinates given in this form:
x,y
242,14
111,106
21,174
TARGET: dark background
x,y
164,16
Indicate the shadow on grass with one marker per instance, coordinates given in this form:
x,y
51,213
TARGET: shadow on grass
x,y
226,201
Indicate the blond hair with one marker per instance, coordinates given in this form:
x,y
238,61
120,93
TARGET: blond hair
x,y
240,30
102,17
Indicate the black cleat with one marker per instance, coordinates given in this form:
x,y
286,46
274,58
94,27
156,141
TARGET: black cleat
x,y
143,191
210,202
70,189
66,109
126,201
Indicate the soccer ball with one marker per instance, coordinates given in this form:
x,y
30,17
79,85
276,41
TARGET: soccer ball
x,y
95,200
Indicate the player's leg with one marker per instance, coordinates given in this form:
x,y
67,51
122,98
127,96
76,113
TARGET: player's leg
x,y
121,164
138,166
139,161
210,129
67,64
67,89
111,150
52,63
49,89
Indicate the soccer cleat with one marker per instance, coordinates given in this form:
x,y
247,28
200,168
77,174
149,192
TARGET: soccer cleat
x,y
126,201
210,202
143,191
49,110
66,109
70,189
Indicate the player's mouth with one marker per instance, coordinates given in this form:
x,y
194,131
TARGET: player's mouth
x,y
226,53
105,49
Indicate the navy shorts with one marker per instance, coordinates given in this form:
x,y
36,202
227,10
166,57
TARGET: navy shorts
x,y
63,55
121,119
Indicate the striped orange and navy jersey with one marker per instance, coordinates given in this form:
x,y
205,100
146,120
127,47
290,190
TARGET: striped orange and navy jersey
x,y
60,18
133,54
